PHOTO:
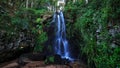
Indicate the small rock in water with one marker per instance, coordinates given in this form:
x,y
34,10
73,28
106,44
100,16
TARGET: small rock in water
x,y
65,61
58,59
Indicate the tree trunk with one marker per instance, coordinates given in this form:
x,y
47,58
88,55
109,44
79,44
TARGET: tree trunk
x,y
27,3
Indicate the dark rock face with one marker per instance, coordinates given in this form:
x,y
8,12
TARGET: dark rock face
x,y
14,44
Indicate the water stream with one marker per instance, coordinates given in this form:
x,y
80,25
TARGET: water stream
x,y
61,45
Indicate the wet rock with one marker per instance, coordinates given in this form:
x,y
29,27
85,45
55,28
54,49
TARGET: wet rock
x,y
29,57
41,64
58,59
11,65
77,64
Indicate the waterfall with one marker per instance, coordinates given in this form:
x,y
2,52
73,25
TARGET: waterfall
x,y
61,45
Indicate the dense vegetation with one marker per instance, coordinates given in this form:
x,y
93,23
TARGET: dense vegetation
x,y
21,26
93,27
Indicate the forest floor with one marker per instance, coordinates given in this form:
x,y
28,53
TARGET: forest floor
x,y
40,64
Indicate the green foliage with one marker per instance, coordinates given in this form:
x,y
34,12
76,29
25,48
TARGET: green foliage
x,y
49,60
87,19
38,20
41,37
15,17
20,22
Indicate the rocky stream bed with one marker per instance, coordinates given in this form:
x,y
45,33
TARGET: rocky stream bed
x,y
31,60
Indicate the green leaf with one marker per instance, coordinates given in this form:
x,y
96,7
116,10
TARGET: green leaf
x,y
38,20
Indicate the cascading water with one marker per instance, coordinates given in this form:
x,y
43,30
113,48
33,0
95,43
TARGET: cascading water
x,y
61,43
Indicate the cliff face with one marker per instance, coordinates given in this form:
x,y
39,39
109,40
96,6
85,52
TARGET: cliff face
x,y
14,44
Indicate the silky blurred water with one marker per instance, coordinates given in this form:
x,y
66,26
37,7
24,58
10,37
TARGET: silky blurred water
x,y
61,45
